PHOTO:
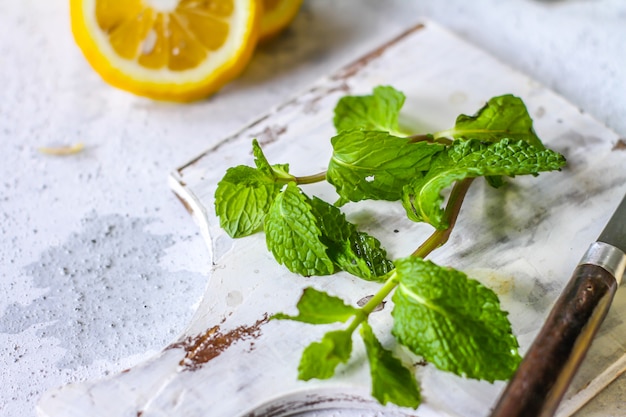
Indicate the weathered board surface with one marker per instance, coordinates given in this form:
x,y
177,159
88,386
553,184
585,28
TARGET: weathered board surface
x,y
523,241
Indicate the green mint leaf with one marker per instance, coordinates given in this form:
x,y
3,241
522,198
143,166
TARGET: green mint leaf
x,y
320,359
243,198
354,252
391,380
376,165
298,229
335,228
364,257
502,117
422,198
244,195
281,172
496,181
452,321
293,236
260,160
278,171
317,307
378,111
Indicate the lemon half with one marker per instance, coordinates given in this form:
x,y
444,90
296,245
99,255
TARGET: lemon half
x,y
179,50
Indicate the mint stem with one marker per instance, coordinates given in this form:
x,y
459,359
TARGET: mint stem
x,y
439,237
421,138
429,138
379,297
310,179
443,134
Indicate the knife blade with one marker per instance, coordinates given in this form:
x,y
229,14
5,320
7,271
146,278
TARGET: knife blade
x,y
551,362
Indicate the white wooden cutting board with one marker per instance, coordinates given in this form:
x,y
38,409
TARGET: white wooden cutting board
x,y
523,241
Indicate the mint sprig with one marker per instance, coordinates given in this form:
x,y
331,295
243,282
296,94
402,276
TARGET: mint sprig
x,y
440,315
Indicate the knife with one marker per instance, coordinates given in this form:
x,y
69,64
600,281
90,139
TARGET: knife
x,y
556,353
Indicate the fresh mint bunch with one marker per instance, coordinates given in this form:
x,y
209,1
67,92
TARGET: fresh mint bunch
x,y
440,315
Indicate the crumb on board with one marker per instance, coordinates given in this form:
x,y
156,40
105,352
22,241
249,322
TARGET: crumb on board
x,y
62,150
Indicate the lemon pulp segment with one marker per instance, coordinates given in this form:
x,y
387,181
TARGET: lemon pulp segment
x,y
179,39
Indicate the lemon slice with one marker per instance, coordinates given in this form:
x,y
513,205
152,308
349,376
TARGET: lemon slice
x,y
277,14
178,50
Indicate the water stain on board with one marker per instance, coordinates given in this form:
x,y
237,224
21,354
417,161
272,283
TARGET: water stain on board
x,y
202,348
106,295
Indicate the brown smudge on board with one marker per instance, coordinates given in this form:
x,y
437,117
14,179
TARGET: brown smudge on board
x,y
361,63
310,107
620,145
202,348
270,134
217,146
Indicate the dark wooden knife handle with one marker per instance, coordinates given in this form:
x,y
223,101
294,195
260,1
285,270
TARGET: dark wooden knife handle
x,y
551,362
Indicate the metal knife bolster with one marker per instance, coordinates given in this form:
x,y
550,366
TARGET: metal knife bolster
x,y
606,256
